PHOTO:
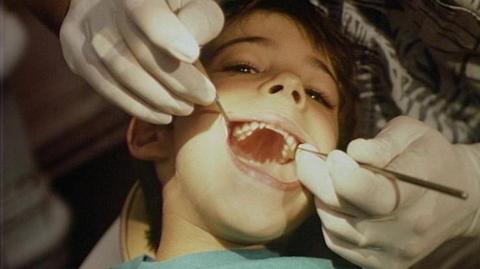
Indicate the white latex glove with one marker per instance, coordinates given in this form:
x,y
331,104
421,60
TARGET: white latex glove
x,y
138,53
377,223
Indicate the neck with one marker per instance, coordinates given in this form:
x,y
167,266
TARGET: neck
x,y
183,235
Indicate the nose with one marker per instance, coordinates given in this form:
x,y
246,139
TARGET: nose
x,y
287,85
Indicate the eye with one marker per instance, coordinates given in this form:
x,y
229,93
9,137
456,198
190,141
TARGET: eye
x,y
319,97
241,68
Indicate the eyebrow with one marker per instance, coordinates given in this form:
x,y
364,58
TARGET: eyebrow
x,y
248,39
319,64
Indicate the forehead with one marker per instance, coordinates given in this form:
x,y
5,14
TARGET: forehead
x,y
276,26
283,36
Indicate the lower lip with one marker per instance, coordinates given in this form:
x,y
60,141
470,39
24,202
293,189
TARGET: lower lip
x,y
261,176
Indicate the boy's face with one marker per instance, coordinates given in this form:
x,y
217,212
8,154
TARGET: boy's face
x,y
236,181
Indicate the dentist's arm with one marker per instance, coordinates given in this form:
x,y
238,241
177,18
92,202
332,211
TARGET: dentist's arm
x,y
379,223
50,12
138,54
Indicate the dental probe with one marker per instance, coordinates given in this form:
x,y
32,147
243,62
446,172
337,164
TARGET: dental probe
x,y
402,177
220,107
200,67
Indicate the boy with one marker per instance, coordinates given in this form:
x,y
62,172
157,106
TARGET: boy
x,y
281,72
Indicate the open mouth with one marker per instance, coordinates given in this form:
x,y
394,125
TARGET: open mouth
x,y
264,147
262,142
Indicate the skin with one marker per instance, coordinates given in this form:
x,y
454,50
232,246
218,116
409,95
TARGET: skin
x,y
209,203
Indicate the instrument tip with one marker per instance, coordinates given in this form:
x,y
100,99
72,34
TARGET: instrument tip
x,y
220,107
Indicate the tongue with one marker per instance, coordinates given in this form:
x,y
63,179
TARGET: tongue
x,y
261,146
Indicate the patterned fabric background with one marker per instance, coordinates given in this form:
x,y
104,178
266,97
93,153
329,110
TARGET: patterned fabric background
x,y
417,58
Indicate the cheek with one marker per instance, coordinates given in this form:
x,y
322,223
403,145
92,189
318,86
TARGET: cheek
x,y
196,137
228,84
198,159
323,127
220,81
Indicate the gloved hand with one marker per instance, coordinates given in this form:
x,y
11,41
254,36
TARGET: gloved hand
x,y
138,53
378,223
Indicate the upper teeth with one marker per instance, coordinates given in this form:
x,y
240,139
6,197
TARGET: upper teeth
x,y
244,130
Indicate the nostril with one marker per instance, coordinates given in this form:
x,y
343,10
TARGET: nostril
x,y
275,89
296,96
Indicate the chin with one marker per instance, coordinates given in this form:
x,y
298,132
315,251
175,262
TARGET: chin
x,y
252,228
254,234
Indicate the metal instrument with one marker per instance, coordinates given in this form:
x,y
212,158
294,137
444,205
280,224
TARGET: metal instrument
x,y
222,110
402,177
201,68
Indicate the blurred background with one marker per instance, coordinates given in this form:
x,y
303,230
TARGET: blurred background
x,y
65,166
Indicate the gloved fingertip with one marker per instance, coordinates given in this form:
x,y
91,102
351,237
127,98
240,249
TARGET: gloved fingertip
x,y
312,172
368,151
339,160
185,50
162,120
204,19
355,148
208,95
362,149
305,155
184,110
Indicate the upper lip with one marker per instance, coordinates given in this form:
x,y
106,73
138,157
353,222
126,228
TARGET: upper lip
x,y
277,120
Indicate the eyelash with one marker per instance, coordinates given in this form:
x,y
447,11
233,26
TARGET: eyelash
x,y
247,68
240,67
319,97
